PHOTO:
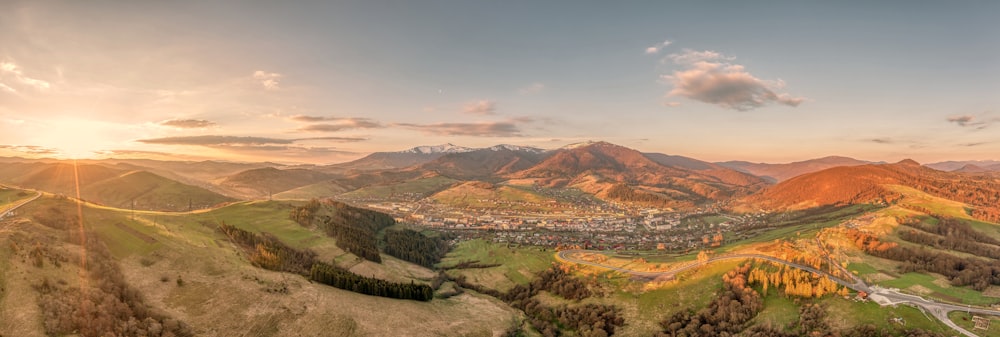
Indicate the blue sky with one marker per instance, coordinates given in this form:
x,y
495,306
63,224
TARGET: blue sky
x,y
322,83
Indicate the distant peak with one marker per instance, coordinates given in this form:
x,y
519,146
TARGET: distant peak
x,y
515,148
586,144
908,162
443,148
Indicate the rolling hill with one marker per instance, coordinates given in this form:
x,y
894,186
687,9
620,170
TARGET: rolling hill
x,y
988,165
150,191
615,172
867,184
111,187
485,163
263,182
782,172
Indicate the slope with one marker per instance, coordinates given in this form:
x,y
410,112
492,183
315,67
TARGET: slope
x,y
262,182
867,184
148,191
483,163
615,172
782,172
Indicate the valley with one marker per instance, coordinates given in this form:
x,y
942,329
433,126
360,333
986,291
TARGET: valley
x,y
474,239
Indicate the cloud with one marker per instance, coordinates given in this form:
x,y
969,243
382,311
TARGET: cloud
x,y
211,140
120,154
688,56
972,121
29,149
334,139
268,80
220,141
533,88
12,76
709,78
672,104
481,129
310,119
187,123
482,107
656,48
336,123
882,141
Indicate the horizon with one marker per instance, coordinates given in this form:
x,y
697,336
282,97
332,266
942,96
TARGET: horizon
x,y
780,83
292,163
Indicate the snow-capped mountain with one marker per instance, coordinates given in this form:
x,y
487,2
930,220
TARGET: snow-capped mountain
x,y
516,148
443,148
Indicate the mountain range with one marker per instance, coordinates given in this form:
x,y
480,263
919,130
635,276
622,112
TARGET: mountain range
x,y
606,171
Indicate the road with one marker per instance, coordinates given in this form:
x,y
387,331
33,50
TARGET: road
x,y
10,209
19,204
882,296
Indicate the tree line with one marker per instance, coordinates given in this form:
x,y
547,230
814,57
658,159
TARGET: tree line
x,y
583,320
343,279
267,252
961,271
354,228
413,246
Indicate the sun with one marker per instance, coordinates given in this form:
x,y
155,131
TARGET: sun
x,y
75,138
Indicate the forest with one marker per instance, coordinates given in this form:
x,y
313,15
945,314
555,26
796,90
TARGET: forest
x,y
267,252
582,319
412,246
354,228
730,313
961,271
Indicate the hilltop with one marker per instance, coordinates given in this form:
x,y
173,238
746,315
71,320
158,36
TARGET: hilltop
x,y
782,172
869,184
111,186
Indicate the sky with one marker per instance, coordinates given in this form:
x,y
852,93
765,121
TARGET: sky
x,y
327,82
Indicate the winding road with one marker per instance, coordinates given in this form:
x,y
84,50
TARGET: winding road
x,y
882,296
4,213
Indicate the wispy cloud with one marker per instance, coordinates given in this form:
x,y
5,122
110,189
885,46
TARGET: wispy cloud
x,y
533,88
334,139
480,129
481,107
334,124
188,123
970,121
216,140
12,76
688,56
268,80
311,119
709,77
29,149
656,48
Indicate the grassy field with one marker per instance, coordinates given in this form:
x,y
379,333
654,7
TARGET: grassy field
x,y
318,190
11,196
517,265
220,285
423,187
939,288
965,320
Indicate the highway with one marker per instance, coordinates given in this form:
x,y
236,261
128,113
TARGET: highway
x,y
881,295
